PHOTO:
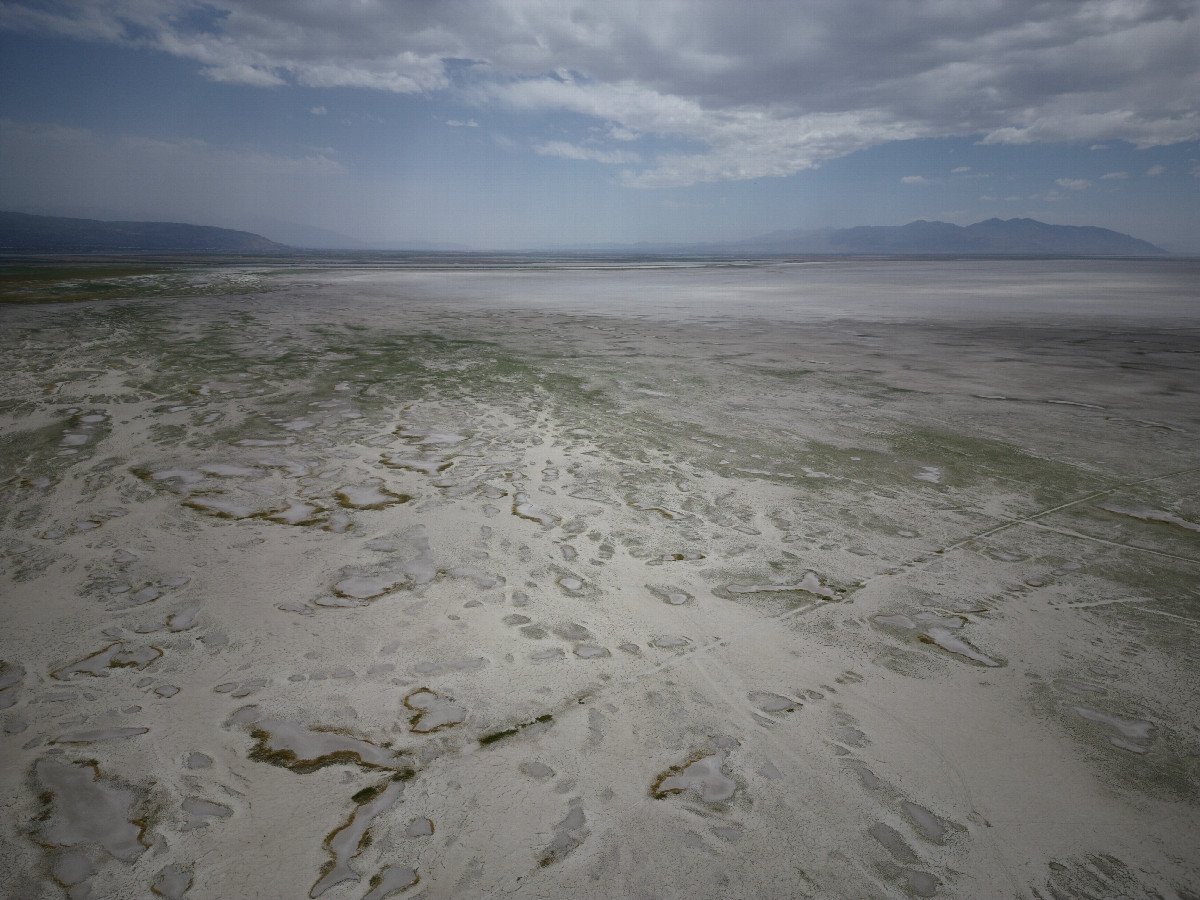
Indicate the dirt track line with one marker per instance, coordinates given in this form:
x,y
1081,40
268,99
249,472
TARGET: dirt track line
x,y
1066,532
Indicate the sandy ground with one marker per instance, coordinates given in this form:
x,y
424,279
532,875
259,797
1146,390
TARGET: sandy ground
x,y
841,580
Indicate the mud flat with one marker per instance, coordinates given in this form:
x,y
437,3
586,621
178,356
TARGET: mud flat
x,y
829,579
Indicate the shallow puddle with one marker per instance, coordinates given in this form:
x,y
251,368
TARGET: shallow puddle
x,y
87,809
702,778
434,712
1133,735
809,584
345,843
301,749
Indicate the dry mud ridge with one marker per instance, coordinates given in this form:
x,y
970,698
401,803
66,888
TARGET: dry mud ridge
x,y
358,583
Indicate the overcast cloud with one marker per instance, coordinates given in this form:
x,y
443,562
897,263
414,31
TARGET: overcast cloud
x,y
757,89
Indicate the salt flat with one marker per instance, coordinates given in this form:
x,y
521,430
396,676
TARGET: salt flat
x,y
761,579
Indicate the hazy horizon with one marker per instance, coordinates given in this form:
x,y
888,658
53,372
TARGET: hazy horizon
x,y
511,125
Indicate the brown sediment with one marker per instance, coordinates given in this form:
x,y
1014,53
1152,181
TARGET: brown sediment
x,y
349,839
658,792
435,707
367,793
316,518
196,501
661,510
114,656
516,729
424,467
287,758
498,735
390,498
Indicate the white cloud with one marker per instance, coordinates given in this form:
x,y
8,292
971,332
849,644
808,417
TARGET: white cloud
x,y
741,143
1073,184
914,179
595,154
318,110
959,170
1079,126
1156,170
1111,176
458,123
760,89
242,73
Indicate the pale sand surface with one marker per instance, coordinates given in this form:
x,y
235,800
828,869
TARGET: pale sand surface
x,y
828,580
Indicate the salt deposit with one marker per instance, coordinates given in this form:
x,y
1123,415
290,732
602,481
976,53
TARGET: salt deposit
x,y
862,578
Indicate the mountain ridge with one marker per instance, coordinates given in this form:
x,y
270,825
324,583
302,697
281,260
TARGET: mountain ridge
x,y
999,237
23,232
922,237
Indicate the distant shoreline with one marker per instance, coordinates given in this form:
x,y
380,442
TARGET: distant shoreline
x,y
483,259
25,234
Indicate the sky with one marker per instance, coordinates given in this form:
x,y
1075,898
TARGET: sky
x,y
515,124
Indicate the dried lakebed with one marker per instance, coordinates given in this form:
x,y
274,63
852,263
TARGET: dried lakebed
x,y
831,580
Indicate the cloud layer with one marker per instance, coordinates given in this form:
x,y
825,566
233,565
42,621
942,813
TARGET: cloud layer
x,y
757,89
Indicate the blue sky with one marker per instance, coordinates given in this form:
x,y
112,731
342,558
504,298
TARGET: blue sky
x,y
529,123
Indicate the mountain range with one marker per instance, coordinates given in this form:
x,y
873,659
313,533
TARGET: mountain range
x,y
20,232
994,237
23,233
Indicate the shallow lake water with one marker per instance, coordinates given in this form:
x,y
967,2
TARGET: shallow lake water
x,y
603,579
